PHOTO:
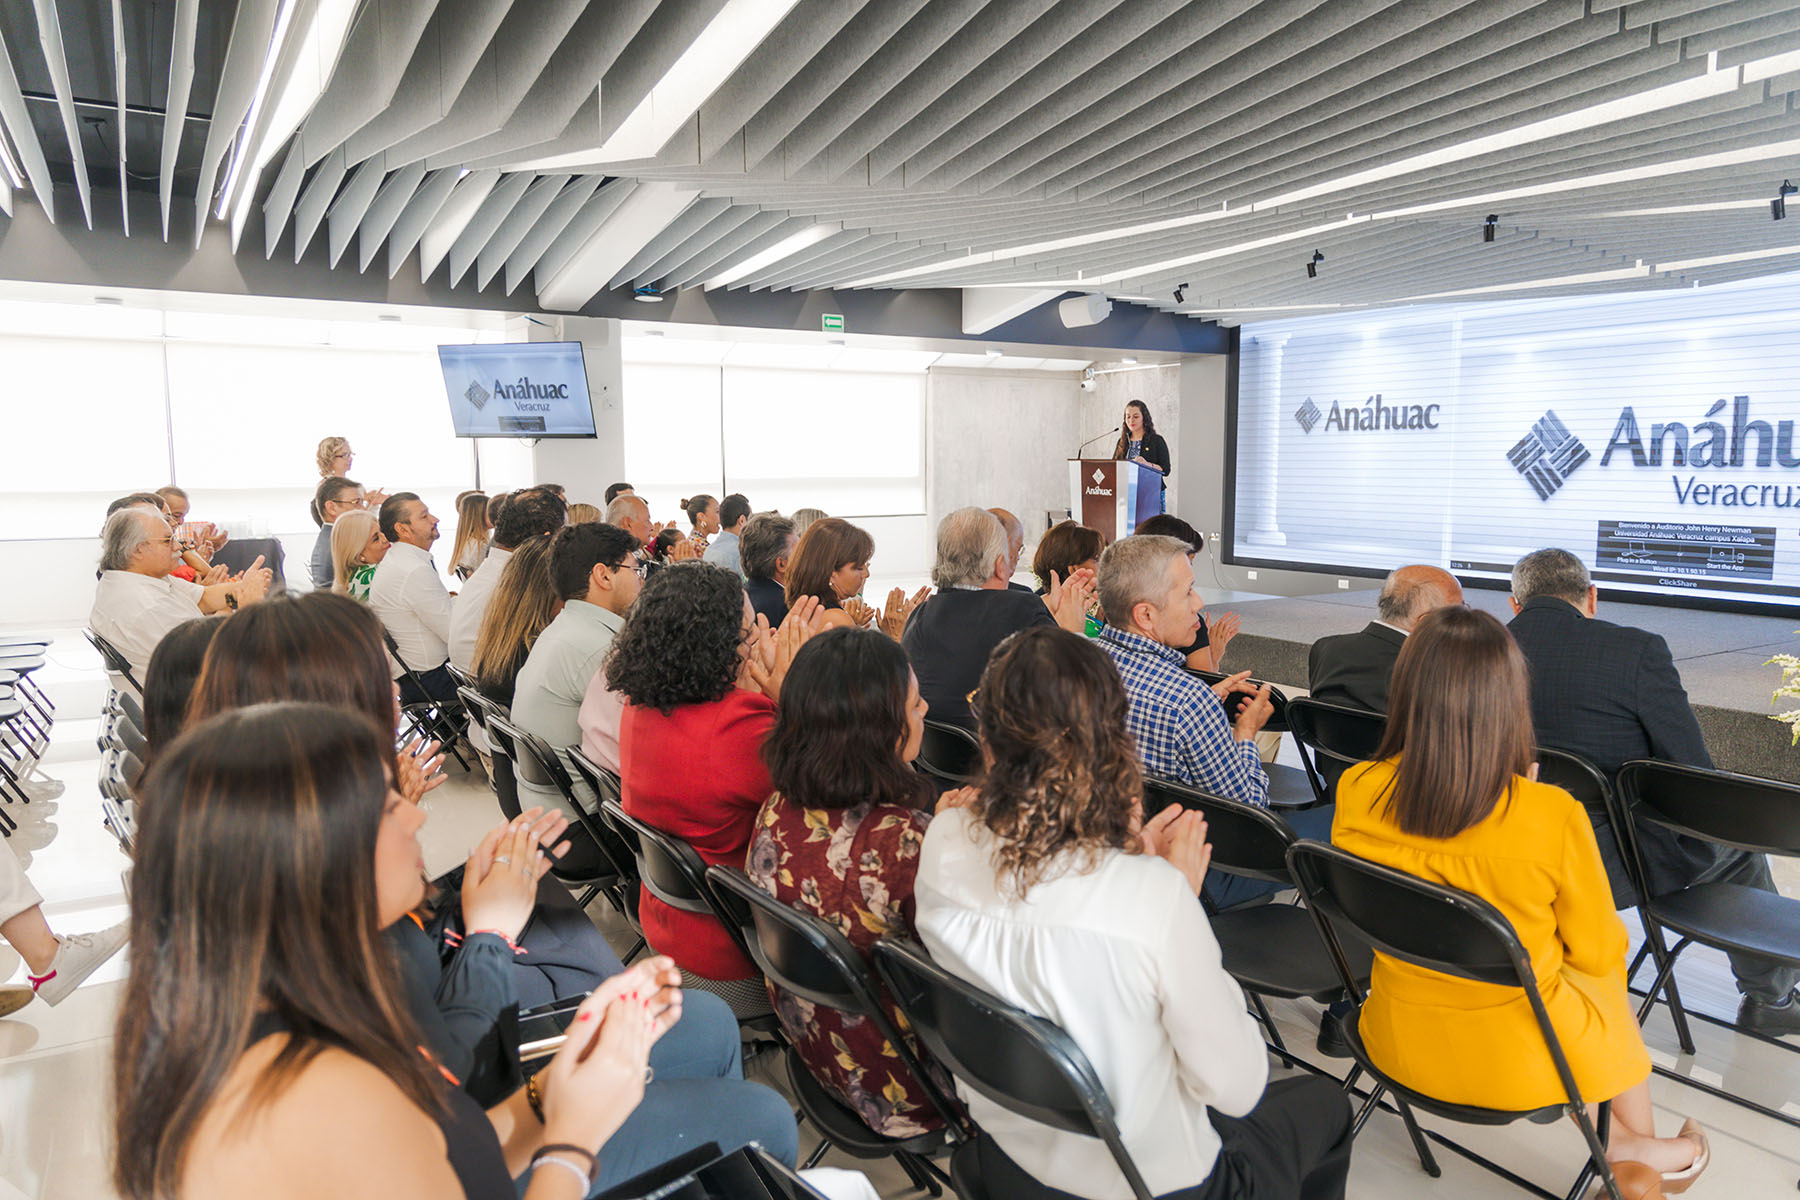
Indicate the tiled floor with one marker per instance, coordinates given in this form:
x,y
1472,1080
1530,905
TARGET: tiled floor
x,y
54,1062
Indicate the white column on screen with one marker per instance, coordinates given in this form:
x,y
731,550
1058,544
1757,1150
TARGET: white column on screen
x,y
1262,468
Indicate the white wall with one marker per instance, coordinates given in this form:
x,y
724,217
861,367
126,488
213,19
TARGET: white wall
x,y
585,467
1159,388
1001,440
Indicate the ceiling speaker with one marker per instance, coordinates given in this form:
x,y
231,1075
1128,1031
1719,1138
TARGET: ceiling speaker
x,y
1077,311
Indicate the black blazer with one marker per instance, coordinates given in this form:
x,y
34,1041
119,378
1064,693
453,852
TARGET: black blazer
x,y
1156,449
1611,693
1355,668
950,636
768,598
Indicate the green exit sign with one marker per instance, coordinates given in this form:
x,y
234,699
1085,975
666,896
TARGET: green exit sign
x,y
832,322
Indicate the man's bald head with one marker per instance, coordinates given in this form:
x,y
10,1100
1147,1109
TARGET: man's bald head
x,y
1015,534
1412,591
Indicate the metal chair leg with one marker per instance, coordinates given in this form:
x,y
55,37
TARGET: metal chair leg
x,y
1426,1159
1268,1022
1596,1164
812,1160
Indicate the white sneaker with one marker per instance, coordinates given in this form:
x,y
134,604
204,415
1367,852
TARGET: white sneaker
x,y
78,955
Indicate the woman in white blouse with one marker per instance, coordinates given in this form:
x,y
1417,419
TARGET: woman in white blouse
x,y
1051,892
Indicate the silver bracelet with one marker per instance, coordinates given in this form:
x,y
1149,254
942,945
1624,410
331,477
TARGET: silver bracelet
x,y
566,1165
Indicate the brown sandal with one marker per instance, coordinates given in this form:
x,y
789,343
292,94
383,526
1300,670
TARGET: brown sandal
x,y
1677,1182
1636,1180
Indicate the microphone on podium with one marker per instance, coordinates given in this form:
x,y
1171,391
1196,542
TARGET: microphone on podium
x,y
1094,439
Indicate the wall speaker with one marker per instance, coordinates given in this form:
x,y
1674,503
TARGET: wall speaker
x,y
1077,311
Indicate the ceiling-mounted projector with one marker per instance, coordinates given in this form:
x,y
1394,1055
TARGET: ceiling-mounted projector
x,y
1077,311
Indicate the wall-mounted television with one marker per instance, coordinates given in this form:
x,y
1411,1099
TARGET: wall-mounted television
x,y
517,390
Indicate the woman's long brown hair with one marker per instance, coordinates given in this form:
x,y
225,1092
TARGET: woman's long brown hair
x,y
253,890
1063,772
827,544
523,604
1125,434
1459,721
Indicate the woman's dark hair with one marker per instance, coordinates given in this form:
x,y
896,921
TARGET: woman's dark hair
x,y
827,544
1125,434
663,542
837,736
521,606
170,678
1170,525
696,507
1459,720
253,888
680,643
1065,546
314,646
1063,772
527,515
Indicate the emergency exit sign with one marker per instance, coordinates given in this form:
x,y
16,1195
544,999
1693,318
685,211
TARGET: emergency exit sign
x,y
831,322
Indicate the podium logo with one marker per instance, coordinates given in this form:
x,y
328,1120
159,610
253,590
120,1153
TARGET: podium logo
x,y
477,395
1099,475
1548,455
1308,415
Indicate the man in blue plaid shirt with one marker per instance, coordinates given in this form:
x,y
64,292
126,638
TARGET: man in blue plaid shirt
x,y
1152,609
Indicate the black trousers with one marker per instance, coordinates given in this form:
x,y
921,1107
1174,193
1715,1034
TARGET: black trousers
x,y
1294,1143
438,685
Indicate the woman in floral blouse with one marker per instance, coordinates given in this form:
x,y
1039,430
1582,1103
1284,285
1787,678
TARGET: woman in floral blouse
x,y
840,839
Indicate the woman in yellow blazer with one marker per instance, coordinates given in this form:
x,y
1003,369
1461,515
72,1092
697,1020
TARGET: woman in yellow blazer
x,y
1453,798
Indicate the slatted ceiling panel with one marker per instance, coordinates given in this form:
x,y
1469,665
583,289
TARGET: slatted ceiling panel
x,y
487,218
702,241
381,44
351,206
757,234
494,250
315,197
793,44
454,40
696,217
278,205
252,26
563,210
384,211
652,50
587,221
417,216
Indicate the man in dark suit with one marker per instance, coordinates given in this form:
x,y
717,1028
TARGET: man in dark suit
x,y
1354,668
764,549
1611,693
949,637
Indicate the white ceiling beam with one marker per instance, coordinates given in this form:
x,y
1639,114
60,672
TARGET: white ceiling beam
x,y
252,26
118,34
988,308
50,41
649,208
24,136
181,84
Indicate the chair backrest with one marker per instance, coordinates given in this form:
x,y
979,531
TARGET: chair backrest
x,y
537,764
1246,840
949,752
115,662
132,710
672,870
1759,815
1336,733
1576,776
129,736
461,677
505,776
605,786
1583,780
1022,1062
480,708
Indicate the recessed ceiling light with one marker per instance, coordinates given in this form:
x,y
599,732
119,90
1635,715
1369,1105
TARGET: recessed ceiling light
x,y
1129,360
646,295
994,353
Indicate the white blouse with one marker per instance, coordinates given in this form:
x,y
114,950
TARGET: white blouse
x,y
1122,958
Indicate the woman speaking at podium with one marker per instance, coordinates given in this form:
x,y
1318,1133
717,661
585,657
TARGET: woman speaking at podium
x,y
1140,443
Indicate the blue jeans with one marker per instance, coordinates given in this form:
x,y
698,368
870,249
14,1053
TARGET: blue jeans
x,y
1224,891
699,1095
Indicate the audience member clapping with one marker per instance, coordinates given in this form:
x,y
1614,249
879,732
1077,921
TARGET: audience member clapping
x,y
1207,651
334,497
1015,545
831,564
631,513
206,537
703,514
521,606
767,549
1050,891
1065,548
840,838
951,635
701,677
410,598
137,601
263,986
473,534
723,551
357,548
1452,797
527,515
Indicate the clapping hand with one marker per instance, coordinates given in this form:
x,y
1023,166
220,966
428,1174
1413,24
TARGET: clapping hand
x,y
417,769
960,797
685,550
1219,633
217,573
598,1077
1068,600
499,887
1178,836
860,614
255,583
899,609
772,652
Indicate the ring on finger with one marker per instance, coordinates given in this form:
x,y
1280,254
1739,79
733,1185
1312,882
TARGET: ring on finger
x,y
501,858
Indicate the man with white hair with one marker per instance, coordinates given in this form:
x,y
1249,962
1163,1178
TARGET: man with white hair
x,y
1354,668
1015,544
138,601
950,635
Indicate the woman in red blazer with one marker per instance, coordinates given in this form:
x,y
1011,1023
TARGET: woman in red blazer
x,y
701,676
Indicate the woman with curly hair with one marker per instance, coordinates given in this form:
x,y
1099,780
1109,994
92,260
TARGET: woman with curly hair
x,y
1050,891
840,839
700,677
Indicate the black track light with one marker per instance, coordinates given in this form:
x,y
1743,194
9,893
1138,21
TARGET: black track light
x,y
1312,266
1489,226
1181,292
1778,206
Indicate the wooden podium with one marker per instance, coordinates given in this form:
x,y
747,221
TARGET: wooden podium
x,y
1113,495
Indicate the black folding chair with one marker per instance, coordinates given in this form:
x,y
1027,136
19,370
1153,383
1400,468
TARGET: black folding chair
x,y
603,785
1333,738
115,662
1022,1062
117,804
1289,787
1740,811
1583,780
1270,949
673,872
949,753
809,957
428,718
1452,932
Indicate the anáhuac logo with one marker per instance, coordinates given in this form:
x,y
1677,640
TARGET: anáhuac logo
x,y
531,397
1369,416
477,396
1548,455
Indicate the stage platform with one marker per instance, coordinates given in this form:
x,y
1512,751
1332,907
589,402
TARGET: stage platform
x,y
1720,657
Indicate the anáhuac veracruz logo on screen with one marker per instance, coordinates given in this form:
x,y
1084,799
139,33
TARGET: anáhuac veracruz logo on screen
x,y
1371,415
1550,453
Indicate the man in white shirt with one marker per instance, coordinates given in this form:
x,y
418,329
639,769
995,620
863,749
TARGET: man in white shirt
x,y
410,598
529,513
138,601
734,511
595,569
